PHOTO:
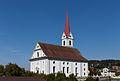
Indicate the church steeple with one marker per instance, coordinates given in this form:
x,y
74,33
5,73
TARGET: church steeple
x,y
67,28
67,38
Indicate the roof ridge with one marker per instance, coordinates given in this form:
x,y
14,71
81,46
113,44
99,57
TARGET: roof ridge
x,y
57,45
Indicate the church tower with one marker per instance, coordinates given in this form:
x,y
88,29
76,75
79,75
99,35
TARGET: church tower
x,y
67,38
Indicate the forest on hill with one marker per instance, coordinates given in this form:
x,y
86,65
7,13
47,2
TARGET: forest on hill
x,y
99,64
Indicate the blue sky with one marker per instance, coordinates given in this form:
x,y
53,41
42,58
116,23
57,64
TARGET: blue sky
x,y
95,25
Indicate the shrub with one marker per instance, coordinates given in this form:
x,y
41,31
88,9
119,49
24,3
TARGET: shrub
x,y
50,77
60,77
117,73
72,77
90,79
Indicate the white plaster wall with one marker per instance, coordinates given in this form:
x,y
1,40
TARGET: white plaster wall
x,y
67,40
84,69
72,65
46,66
42,65
38,49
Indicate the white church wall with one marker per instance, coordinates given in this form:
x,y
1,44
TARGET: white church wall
x,y
84,69
71,65
42,66
46,66
38,52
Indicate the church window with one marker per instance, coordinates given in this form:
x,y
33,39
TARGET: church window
x,y
63,69
84,64
67,63
76,71
37,71
53,62
75,63
84,73
63,42
67,69
37,54
53,69
84,69
63,62
69,42
69,35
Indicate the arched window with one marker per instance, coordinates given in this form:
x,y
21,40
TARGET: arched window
x,y
53,69
67,69
69,42
84,73
63,42
37,54
76,71
63,69
53,62
37,69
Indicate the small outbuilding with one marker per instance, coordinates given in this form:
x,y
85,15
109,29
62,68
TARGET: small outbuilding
x,y
106,72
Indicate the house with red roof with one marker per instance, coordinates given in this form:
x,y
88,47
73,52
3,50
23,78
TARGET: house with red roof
x,y
115,67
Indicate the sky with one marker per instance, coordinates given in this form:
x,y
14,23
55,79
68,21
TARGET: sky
x,y
95,25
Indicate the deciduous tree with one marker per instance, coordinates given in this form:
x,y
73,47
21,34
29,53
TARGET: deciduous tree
x,y
1,70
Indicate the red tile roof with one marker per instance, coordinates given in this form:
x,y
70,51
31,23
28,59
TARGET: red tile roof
x,y
114,66
61,52
22,79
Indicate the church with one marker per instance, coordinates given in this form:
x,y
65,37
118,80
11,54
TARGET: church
x,y
49,58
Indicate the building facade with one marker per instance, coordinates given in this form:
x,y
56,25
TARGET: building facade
x,y
48,58
106,72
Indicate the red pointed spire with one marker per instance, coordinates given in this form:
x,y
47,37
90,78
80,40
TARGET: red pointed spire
x,y
67,28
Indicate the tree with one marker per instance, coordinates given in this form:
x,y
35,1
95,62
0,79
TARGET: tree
x,y
72,77
50,77
117,73
1,70
99,73
90,79
60,77
28,73
13,70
